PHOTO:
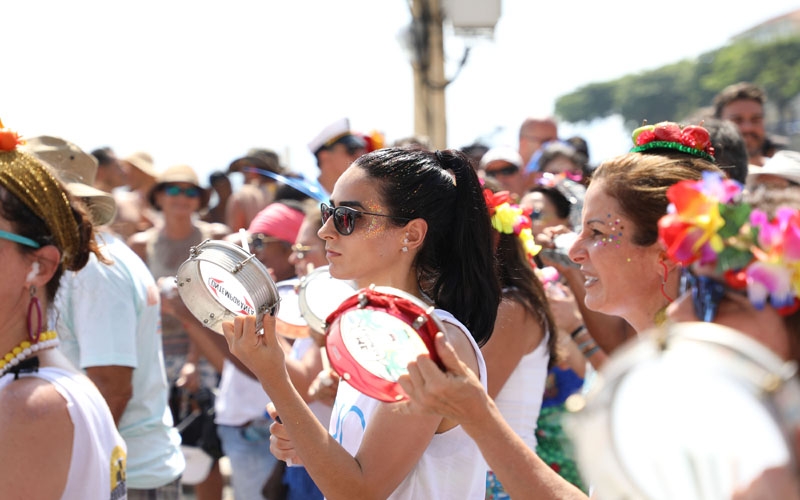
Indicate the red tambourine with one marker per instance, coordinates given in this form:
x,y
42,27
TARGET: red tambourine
x,y
374,334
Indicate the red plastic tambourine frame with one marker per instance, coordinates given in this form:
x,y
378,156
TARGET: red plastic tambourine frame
x,y
396,303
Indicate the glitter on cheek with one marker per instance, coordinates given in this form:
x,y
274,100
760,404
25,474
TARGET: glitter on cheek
x,y
377,225
615,234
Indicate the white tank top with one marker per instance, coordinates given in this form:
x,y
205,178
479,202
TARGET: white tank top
x,y
451,467
520,399
97,467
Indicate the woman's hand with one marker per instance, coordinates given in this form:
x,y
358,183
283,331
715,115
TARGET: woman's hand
x,y
260,352
324,387
456,394
564,307
280,445
189,378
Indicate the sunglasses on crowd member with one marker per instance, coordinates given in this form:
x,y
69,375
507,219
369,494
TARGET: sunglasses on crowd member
x,y
22,240
191,191
507,170
259,241
344,218
706,294
301,250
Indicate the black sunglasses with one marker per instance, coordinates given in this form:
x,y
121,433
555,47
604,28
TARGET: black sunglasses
x,y
507,170
706,294
344,218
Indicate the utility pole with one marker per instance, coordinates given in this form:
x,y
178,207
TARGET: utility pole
x,y
430,118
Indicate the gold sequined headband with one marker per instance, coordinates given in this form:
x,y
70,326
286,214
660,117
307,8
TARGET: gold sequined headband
x,y
29,180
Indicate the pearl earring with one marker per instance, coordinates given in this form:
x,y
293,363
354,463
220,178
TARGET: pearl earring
x,y
405,243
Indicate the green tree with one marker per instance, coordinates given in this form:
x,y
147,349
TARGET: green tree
x,y
678,90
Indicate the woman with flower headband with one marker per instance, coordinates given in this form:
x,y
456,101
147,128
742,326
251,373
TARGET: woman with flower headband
x,y
58,437
741,258
627,274
522,346
416,221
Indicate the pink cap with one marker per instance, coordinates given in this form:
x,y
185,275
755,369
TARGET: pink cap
x,y
279,221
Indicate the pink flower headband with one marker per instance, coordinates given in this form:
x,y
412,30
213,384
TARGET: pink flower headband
x,y
706,223
511,219
692,139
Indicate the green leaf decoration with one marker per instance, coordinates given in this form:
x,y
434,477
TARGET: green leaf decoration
x,y
735,217
733,258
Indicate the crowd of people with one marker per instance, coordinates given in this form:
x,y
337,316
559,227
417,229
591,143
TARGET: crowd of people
x,y
541,269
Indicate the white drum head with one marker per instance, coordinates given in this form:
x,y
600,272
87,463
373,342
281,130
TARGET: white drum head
x,y
220,281
289,320
694,411
373,336
320,294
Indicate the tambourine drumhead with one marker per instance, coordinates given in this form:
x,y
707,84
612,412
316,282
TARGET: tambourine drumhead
x,y
319,294
289,321
220,281
695,410
375,334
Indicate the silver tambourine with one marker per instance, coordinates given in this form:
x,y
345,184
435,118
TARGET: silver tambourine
x,y
319,294
220,281
374,334
689,411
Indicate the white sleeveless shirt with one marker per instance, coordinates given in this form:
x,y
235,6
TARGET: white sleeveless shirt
x,y
520,399
97,466
451,467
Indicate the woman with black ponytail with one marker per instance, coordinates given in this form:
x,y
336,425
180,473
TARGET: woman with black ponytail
x,y
415,221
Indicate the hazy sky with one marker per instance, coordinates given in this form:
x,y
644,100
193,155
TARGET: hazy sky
x,y
201,82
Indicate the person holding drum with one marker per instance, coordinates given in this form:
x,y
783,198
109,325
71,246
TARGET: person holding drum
x,y
627,274
415,221
58,436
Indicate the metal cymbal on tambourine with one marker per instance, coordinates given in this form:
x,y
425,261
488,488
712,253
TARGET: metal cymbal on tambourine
x,y
220,281
688,410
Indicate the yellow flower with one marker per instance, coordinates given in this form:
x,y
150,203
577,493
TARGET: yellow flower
x,y
504,218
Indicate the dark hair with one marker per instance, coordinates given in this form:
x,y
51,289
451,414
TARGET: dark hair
x,y
104,156
639,183
456,264
736,92
287,192
557,198
26,223
520,283
730,150
217,176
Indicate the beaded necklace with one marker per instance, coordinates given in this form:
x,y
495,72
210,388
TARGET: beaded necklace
x,y
16,360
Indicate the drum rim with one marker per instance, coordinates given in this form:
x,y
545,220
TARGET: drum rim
x,y
316,323
259,284
351,370
594,411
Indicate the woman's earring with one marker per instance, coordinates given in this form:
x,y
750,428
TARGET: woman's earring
x,y
405,244
34,308
664,282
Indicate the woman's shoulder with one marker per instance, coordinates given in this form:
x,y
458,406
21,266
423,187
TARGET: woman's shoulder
x,y
31,402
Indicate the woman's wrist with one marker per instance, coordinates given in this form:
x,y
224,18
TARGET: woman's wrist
x,y
577,330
